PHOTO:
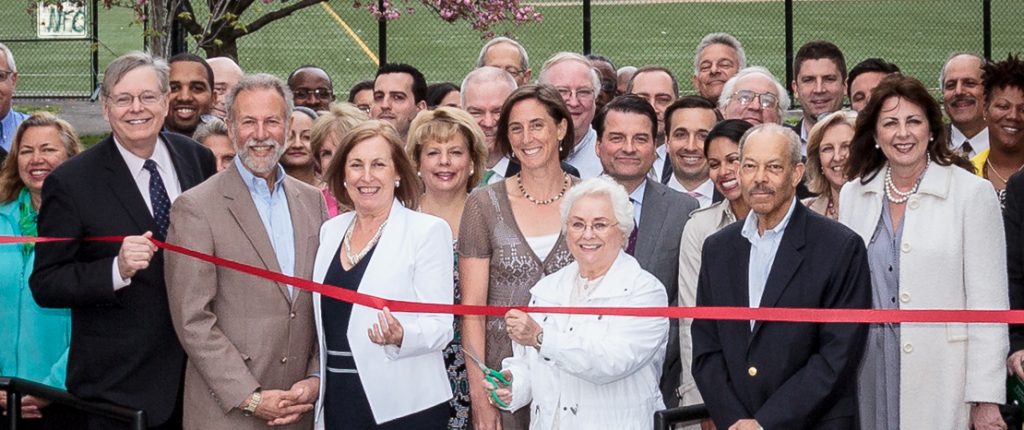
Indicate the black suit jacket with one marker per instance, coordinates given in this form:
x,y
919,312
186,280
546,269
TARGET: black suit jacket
x,y
1013,222
123,347
785,375
662,218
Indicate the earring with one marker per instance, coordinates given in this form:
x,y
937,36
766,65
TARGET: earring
x,y
876,146
344,184
397,183
931,138
559,148
419,174
471,172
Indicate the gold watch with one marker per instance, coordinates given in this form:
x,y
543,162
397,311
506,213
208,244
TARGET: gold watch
x,y
254,402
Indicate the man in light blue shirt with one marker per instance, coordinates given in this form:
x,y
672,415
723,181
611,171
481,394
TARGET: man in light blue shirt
x,y
767,374
9,118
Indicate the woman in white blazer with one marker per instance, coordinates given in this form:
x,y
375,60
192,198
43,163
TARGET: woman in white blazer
x,y
590,371
382,370
935,241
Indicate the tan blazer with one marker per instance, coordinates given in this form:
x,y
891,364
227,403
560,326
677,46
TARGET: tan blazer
x,y
239,331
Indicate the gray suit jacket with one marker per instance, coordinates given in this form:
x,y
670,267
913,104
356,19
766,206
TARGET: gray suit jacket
x,y
240,332
665,212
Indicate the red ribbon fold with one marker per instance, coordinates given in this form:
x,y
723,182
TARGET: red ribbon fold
x,y
803,315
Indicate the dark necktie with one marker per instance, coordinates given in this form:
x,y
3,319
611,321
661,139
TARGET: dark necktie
x,y
966,149
158,199
631,242
666,171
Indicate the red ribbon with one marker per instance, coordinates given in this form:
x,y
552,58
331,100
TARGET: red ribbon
x,y
804,315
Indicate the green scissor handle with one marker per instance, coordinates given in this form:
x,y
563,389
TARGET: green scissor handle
x,y
494,377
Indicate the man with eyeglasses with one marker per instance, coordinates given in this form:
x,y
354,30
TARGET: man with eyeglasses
x,y
578,83
226,74
755,96
311,87
191,96
508,55
123,346
626,128
9,118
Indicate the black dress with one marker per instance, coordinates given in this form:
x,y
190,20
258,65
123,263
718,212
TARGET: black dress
x,y
345,404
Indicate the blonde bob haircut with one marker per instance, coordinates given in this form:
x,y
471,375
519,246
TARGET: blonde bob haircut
x,y
442,125
336,122
408,192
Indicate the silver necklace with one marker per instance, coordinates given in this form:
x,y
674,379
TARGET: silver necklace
x,y
355,259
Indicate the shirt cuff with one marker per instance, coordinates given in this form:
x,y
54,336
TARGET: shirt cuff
x,y
116,277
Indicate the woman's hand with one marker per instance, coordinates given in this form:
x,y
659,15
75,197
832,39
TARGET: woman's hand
x,y
1015,364
504,393
985,416
522,328
388,331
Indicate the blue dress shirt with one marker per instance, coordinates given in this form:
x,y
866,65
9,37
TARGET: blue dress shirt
x,y
762,253
9,126
277,219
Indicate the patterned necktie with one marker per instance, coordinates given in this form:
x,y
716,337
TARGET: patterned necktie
x,y
966,149
158,199
631,242
486,178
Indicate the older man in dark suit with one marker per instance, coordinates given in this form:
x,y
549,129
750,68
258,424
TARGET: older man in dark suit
x,y
755,374
123,347
626,141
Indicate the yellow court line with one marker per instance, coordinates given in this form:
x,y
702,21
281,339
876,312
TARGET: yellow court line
x,y
355,37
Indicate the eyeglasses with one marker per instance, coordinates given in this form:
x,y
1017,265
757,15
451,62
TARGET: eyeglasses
x,y
598,227
320,93
582,94
768,100
4,74
146,98
514,71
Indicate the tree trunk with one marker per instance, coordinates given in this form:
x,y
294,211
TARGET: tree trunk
x,y
227,48
159,28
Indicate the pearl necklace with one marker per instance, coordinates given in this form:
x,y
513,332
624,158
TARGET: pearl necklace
x,y
354,259
522,189
893,194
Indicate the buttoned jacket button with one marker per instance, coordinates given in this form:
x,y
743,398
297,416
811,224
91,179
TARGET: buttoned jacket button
x,y
914,204
905,247
905,297
752,371
291,315
908,348
284,360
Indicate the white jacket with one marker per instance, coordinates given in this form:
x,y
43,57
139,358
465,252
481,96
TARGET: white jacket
x,y
593,372
953,256
413,261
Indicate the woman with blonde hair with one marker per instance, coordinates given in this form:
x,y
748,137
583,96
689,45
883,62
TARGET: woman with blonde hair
x,y
447,148
828,148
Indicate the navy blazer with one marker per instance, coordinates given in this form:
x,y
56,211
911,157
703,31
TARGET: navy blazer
x,y
123,347
784,375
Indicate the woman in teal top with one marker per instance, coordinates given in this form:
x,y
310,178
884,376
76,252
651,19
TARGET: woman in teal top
x,y
33,341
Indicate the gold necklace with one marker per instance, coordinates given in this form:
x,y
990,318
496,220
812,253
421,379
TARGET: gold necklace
x,y
992,168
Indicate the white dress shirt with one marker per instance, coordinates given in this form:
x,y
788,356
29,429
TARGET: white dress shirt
x,y
162,158
500,168
979,142
584,156
703,193
637,198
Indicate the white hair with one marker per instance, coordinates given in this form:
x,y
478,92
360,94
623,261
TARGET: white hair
x,y
9,57
792,139
486,75
730,86
568,56
259,81
524,60
720,39
606,186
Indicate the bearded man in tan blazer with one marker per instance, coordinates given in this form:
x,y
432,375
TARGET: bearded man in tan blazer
x,y
251,342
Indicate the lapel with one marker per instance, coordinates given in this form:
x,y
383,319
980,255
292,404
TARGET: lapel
x,y
652,218
242,208
304,229
123,186
739,271
187,177
787,261
513,168
869,204
389,247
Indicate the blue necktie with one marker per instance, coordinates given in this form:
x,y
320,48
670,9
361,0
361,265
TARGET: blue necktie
x,y
158,199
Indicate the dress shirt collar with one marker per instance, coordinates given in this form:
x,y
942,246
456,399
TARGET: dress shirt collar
x,y
258,186
978,143
750,226
500,168
161,156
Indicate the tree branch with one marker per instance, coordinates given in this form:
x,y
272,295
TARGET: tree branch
x,y
190,25
275,15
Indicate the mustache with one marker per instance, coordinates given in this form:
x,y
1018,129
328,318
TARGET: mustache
x,y
964,98
763,188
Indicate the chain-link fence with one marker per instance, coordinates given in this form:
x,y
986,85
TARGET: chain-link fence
x,y
53,48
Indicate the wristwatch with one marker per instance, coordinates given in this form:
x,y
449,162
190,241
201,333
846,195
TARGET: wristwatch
x,y
254,402
539,339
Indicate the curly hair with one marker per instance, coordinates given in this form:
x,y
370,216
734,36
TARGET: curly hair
x,y
1001,75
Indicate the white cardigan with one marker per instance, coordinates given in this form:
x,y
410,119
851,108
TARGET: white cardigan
x,y
953,256
413,261
593,372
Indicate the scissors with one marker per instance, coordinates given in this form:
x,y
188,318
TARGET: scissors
x,y
491,375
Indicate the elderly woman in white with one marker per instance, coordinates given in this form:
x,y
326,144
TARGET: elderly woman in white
x,y
590,371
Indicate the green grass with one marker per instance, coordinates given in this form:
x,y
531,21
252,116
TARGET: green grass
x,y
916,34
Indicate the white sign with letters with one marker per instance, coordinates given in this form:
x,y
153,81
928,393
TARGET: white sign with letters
x,y
69,20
